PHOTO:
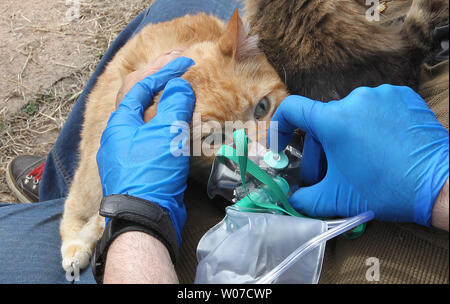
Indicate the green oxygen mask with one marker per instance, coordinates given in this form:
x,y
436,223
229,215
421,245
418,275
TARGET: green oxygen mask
x,y
257,179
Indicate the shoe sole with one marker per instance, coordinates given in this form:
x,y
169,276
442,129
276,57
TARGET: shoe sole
x,y
24,199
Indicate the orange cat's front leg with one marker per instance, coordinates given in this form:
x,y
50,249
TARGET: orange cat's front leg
x,y
81,226
77,250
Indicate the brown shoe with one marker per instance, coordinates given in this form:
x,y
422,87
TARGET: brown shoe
x,y
23,175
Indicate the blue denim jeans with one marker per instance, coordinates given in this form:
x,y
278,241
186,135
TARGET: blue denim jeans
x,y
29,238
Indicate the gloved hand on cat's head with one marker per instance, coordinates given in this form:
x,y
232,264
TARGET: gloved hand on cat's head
x,y
136,158
384,148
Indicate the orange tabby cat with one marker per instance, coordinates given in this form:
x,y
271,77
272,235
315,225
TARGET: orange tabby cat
x,y
231,79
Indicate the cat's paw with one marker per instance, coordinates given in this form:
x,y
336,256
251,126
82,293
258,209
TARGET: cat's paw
x,y
75,255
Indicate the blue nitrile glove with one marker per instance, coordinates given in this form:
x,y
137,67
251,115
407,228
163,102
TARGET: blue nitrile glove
x,y
313,162
139,159
385,149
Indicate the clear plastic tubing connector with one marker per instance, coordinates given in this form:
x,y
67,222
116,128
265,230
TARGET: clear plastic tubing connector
x,y
335,228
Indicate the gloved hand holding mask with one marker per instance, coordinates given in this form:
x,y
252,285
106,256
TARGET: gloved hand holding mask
x,y
385,152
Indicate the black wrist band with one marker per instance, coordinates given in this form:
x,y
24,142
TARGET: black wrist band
x,y
126,214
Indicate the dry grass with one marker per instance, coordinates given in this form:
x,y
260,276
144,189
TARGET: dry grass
x,y
34,129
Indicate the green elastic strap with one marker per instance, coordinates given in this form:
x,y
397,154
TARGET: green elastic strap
x,y
241,142
246,165
356,232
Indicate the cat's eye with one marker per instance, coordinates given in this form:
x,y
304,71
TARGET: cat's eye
x,y
262,108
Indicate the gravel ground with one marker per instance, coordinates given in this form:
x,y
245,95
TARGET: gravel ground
x,y
48,49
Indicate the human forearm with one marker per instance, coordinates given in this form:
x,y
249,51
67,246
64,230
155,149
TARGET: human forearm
x,y
138,258
143,186
439,218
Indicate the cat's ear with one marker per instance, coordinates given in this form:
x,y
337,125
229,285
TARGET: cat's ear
x,y
236,42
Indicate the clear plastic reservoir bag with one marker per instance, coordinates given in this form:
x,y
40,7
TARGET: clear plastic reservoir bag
x,y
235,252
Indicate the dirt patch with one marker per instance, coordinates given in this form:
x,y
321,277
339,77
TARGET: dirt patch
x,y
38,47
46,60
